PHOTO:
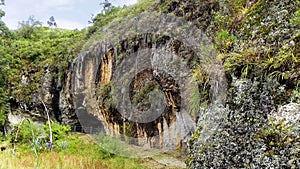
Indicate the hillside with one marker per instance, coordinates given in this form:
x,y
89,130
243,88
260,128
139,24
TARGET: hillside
x,y
217,80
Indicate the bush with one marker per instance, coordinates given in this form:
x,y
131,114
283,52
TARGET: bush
x,y
59,131
2,117
24,131
28,135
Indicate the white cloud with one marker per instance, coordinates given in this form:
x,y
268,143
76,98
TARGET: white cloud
x,y
68,24
69,14
122,2
46,5
11,23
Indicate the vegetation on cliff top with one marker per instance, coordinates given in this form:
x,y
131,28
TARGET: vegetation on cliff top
x,y
250,44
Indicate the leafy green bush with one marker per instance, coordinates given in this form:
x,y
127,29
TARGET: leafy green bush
x,y
24,131
2,117
28,135
28,57
27,29
59,131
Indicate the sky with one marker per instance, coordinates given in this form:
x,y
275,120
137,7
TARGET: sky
x,y
68,14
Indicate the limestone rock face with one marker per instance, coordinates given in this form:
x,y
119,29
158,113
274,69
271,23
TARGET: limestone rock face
x,y
96,75
66,105
258,125
56,96
289,114
247,133
267,26
200,12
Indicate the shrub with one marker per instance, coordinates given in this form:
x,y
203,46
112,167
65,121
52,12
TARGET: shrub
x,y
59,131
23,132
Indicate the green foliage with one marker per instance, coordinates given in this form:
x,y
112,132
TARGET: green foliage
x,y
80,152
283,66
4,31
164,5
30,54
140,96
27,28
250,62
114,146
220,20
295,97
36,145
25,57
59,131
277,135
121,56
23,133
194,101
224,41
113,14
232,11
3,114
101,148
5,60
198,96
241,64
296,21
28,136
103,18
103,94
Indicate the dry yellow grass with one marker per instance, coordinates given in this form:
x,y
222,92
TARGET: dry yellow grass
x,y
82,152
51,160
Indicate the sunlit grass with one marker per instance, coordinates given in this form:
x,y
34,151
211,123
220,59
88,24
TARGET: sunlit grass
x,y
49,161
59,160
81,153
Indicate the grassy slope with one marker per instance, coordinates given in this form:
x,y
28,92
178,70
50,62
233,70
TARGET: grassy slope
x,y
81,152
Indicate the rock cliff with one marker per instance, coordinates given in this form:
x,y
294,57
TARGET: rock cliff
x,y
221,77
250,130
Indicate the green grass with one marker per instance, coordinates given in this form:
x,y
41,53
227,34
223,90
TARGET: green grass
x,y
118,13
80,153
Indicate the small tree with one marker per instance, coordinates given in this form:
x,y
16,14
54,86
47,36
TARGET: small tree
x,y
5,60
106,6
27,28
3,28
51,22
